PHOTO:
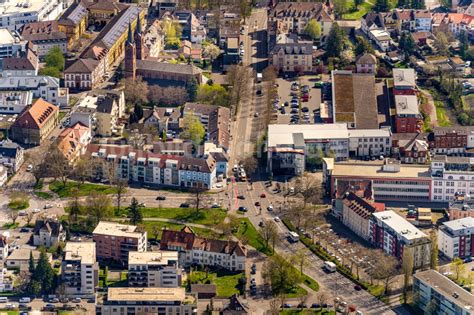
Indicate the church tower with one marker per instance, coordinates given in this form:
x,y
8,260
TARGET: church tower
x,y
130,55
140,40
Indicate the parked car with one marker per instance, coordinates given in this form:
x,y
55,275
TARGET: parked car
x,y
277,219
184,205
161,198
243,209
257,204
241,197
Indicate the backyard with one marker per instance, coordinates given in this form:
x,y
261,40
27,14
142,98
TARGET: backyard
x,y
227,283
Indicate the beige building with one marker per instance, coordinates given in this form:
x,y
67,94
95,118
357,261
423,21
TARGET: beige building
x,y
356,213
20,257
154,269
107,115
144,301
79,269
114,241
290,55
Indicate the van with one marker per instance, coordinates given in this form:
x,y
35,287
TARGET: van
x,y
3,299
24,300
330,266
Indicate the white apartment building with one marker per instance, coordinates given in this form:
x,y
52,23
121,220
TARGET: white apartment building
x,y
79,269
10,43
395,235
141,301
44,87
370,142
451,175
456,238
154,269
13,102
16,13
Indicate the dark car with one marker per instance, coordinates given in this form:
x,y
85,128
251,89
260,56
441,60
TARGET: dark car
x,y
287,305
315,305
257,204
262,195
241,197
24,230
184,205
260,224
161,198
305,109
243,209
283,111
286,104
302,305
357,287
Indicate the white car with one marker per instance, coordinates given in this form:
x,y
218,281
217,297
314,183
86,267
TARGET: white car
x,y
277,219
36,210
22,213
29,168
218,185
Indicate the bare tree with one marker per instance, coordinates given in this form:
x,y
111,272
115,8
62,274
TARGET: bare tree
x,y
120,186
200,198
82,170
99,206
296,212
434,250
407,268
269,232
302,299
323,297
29,217
237,76
250,164
275,306
299,259
13,215
309,188
458,267
385,269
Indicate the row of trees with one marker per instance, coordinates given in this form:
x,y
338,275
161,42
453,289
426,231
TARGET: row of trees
x,y
42,278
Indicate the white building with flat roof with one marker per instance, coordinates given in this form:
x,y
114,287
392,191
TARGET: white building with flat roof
x,y
16,13
154,269
451,175
79,269
456,238
14,102
10,43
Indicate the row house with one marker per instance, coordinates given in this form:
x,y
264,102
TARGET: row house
x,y
461,207
451,176
451,140
196,250
456,238
156,169
395,235
296,16
114,241
154,269
410,148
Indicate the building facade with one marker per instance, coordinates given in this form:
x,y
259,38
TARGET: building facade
x,y
452,176
451,140
48,232
356,213
456,238
44,36
14,14
79,269
11,155
114,241
154,269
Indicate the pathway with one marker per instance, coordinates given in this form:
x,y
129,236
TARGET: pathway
x,y
431,108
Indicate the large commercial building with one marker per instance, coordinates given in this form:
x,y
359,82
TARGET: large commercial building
x,y
395,235
456,238
154,269
142,301
79,269
114,241
440,295
452,175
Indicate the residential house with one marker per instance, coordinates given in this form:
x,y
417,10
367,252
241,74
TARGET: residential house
x,y
370,142
35,123
410,148
381,38
73,141
3,176
462,206
48,232
421,20
154,269
14,102
10,43
187,20
164,119
16,13
231,54
44,36
408,118
291,55
84,74
236,306
366,63
73,22
4,246
396,236
196,250
459,22
420,38
456,237
85,113
21,257
6,280
198,34
107,115
176,147
44,87
297,14
114,241
404,81
451,140
372,21
154,39
24,65
172,301
440,295
79,269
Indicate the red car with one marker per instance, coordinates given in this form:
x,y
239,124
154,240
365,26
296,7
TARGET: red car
x,y
263,195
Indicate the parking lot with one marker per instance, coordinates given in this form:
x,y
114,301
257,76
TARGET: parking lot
x,y
303,111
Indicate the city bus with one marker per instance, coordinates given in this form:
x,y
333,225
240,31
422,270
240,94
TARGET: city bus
x,y
293,237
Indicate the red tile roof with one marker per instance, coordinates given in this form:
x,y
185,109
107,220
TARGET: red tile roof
x,y
36,116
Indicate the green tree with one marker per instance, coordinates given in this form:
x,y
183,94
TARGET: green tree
x,y
281,274
99,206
363,46
434,250
358,3
335,41
192,89
134,212
403,4
245,9
211,51
407,267
31,263
407,44
214,94
464,44
458,267
313,29
340,7
44,274
193,129
33,287
382,5
50,71
55,58
418,4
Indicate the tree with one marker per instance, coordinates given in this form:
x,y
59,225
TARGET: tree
x,y
200,199
281,274
434,250
385,269
50,71
458,267
441,44
309,188
214,94
237,77
136,91
340,7
55,58
120,186
99,206
299,259
382,5
57,165
445,3
193,129
269,232
191,89
29,217
407,268
31,263
418,4
358,3
211,51
13,215
155,230
313,29
74,205
173,32
363,46
269,74
407,44
335,41
250,164
134,212
44,274
463,44
82,169
245,9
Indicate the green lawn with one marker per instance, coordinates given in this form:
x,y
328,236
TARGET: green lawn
x,y
204,216
9,312
18,204
296,292
10,225
356,14
175,227
311,283
248,232
443,119
227,283
84,189
43,195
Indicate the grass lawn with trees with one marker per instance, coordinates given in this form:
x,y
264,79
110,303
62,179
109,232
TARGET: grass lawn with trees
x,y
355,14
43,195
443,118
83,189
248,232
212,216
153,227
227,283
